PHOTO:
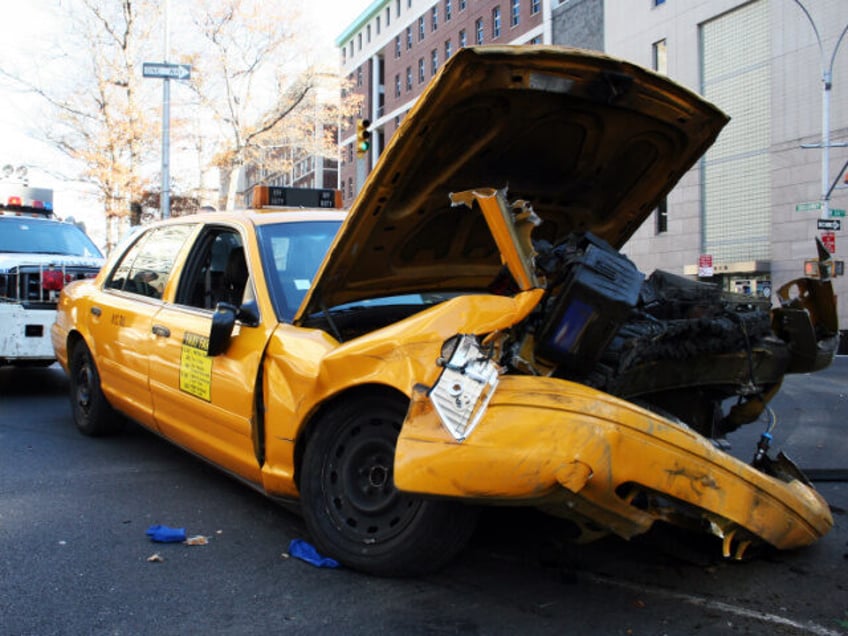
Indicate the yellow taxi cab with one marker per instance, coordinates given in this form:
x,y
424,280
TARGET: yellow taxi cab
x,y
452,342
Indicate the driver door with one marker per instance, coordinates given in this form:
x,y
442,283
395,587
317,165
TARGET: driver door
x,y
209,404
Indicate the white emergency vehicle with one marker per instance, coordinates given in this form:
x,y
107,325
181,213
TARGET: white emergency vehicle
x,y
39,255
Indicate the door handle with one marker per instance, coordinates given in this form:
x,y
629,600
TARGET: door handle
x,y
161,330
96,311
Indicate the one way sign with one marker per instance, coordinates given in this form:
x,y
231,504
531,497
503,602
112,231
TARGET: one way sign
x,y
834,225
165,70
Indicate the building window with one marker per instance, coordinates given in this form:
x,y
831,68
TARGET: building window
x,y
368,33
463,39
408,78
536,40
462,4
448,50
397,47
658,2
420,28
378,25
478,31
388,16
434,18
448,10
496,23
350,188
344,55
397,85
397,8
515,13
662,216
660,57
535,6
351,49
434,61
359,76
408,4
420,70
358,41
408,38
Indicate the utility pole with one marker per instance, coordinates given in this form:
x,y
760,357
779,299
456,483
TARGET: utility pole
x,y
165,196
166,72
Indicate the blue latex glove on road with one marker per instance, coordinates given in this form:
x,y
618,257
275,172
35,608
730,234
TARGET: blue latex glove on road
x,y
304,551
164,534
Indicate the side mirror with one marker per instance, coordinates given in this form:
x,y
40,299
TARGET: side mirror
x,y
248,314
223,321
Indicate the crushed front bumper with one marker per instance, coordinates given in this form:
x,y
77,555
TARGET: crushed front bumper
x,y
605,463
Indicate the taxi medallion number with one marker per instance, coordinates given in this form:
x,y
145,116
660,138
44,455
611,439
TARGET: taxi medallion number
x,y
196,367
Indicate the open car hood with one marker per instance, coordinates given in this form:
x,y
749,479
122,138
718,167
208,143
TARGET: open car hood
x,y
592,142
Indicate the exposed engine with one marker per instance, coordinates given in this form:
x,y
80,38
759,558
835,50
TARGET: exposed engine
x,y
675,345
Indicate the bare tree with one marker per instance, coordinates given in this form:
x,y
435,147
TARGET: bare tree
x,y
253,71
97,108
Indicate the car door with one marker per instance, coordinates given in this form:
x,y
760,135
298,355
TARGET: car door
x,y
209,404
120,318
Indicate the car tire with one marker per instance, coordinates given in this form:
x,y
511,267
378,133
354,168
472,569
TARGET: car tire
x,y
351,506
92,413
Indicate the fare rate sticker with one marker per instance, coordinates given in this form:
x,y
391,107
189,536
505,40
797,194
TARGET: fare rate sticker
x,y
196,366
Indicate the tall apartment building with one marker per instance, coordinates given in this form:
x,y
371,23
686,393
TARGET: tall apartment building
x,y
758,60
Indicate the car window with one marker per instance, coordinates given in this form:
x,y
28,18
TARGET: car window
x,y
146,266
292,253
216,271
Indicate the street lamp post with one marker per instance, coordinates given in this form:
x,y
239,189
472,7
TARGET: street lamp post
x,y
827,83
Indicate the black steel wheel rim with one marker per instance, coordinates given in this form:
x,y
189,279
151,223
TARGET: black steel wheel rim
x,y
358,483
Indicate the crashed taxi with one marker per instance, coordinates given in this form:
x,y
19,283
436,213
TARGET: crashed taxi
x,y
469,334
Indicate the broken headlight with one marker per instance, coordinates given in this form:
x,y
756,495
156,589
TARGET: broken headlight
x,y
463,390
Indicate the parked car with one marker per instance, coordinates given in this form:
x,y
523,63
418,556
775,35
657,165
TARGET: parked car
x,y
451,343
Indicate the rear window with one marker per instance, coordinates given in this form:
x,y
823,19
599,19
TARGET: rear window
x,y
24,235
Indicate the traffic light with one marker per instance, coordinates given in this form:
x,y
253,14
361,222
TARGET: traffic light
x,y
823,269
363,137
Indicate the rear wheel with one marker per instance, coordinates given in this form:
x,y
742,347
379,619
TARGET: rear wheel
x,y
92,413
350,503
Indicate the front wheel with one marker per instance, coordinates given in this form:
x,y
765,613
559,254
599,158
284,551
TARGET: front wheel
x,y
351,506
92,413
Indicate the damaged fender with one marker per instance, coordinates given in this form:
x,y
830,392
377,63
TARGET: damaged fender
x,y
579,453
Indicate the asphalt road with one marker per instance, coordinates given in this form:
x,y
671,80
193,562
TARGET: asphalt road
x,y
74,555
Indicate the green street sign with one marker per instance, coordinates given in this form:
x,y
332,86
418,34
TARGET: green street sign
x,y
807,207
836,213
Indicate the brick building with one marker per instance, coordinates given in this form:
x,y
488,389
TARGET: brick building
x,y
395,47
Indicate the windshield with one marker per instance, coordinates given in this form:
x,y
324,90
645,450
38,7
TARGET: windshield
x,y
291,254
36,236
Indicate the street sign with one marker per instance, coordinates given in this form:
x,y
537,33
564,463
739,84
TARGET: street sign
x,y
165,70
837,212
829,224
829,240
807,207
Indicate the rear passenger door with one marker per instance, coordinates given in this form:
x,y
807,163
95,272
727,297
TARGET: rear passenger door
x,y
120,320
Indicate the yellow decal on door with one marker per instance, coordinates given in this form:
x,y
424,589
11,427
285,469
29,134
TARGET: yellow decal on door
x,y
196,366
